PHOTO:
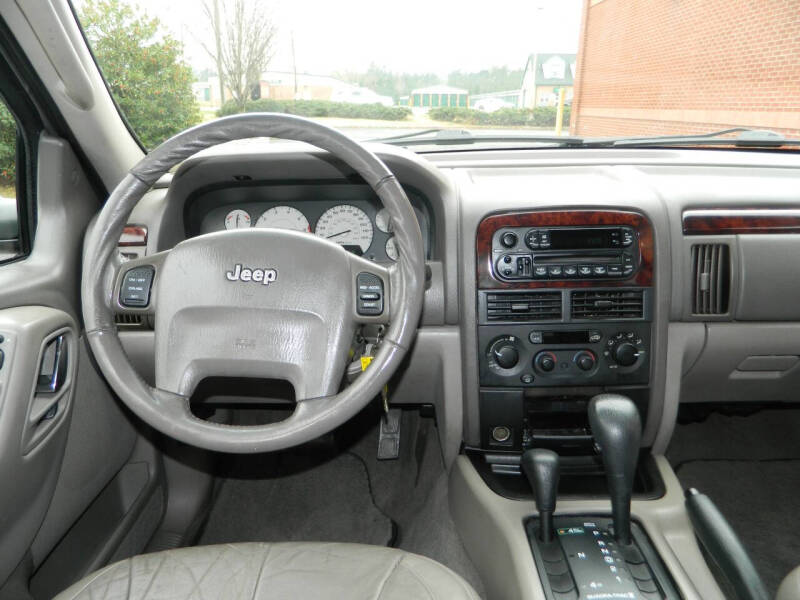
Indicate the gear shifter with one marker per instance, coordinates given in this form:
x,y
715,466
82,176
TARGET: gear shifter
x,y
541,468
617,430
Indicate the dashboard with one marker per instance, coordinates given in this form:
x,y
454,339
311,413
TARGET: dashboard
x,y
552,275
348,214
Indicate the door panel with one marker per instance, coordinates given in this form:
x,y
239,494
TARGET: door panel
x,y
39,359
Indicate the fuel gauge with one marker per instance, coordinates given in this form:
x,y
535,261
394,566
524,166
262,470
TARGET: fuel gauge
x,y
237,219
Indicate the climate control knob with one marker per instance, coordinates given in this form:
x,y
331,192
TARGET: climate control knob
x,y
626,354
585,360
505,353
545,361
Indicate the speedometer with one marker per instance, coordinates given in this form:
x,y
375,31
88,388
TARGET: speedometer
x,y
283,217
346,225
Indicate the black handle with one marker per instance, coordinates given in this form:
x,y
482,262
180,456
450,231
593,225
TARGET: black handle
x,y
617,429
723,545
541,468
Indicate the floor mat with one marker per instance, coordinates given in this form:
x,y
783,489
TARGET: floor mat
x,y
759,499
296,498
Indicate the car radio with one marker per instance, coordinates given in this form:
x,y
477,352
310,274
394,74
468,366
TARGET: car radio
x,y
564,253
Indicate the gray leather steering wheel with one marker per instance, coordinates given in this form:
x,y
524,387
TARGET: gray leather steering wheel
x,y
290,312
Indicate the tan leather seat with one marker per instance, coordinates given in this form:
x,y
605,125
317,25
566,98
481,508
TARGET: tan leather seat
x,y
790,586
261,571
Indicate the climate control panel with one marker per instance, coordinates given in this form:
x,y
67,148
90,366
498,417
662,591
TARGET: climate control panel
x,y
538,355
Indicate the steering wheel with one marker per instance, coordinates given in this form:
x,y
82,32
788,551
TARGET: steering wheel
x,y
253,302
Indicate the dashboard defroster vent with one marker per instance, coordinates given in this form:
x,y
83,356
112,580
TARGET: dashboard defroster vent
x,y
617,304
711,279
529,306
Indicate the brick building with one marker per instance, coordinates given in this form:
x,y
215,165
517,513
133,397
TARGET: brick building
x,y
687,66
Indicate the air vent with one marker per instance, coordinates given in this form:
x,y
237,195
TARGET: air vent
x,y
530,306
621,304
127,319
711,279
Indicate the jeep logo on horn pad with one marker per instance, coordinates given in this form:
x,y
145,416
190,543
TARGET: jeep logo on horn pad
x,y
263,276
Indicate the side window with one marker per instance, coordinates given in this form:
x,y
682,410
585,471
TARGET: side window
x,y
10,233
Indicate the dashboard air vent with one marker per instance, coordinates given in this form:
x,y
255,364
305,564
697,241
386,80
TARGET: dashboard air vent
x,y
711,279
529,306
617,304
128,319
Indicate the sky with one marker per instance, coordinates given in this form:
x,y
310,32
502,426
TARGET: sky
x,y
401,35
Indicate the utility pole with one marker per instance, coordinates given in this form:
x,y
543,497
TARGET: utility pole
x,y
218,42
294,68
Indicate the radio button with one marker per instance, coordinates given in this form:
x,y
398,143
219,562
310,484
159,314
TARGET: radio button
x,y
555,270
599,270
532,239
627,270
627,259
614,270
535,337
585,270
544,239
570,270
627,237
595,336
509,239
540,271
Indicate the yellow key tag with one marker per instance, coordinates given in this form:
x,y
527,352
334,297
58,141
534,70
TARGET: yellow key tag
x,y
365,360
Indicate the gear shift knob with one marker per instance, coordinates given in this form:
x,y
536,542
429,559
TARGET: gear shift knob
x,y
541,468
617,429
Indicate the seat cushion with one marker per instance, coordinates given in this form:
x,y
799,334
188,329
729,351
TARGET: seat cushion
x,y
261,571
790,586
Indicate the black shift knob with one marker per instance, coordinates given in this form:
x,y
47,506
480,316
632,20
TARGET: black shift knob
x,y
541,468
617,430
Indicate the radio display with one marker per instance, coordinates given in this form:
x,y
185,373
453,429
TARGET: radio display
x,y
574,239
565,337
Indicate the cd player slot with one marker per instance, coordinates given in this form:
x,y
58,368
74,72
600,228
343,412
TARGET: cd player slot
x,y
560,257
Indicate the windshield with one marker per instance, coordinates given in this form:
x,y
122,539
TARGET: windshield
x,y
521,73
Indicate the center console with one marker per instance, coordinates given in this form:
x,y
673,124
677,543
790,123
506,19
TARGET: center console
x,y
564,312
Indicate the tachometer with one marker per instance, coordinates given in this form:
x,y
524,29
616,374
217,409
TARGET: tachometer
x,y
237,219
284,217
347,225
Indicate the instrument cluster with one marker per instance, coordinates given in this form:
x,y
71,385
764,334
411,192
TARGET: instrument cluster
x,y
358,224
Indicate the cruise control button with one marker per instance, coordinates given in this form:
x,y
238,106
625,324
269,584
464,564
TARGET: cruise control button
x,y
369,294
135,288
599,270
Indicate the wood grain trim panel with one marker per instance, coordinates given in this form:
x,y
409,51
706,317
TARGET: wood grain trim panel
x,y
726,221
133,235
556,218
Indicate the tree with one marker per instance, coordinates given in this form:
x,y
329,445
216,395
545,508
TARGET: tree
x,y
244,36
144,68
388,83
495,79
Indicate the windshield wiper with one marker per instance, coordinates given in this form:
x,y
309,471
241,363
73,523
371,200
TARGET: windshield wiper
x,y
748,138
449,137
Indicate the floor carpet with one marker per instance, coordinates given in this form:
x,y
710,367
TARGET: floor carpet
x,y
749,465
302,499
